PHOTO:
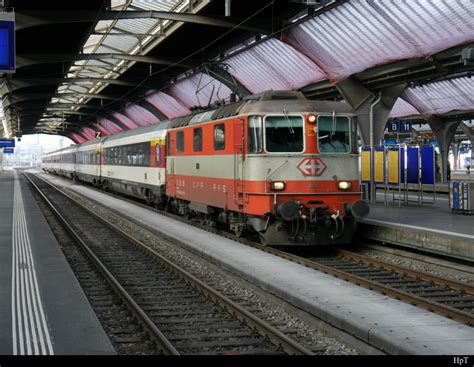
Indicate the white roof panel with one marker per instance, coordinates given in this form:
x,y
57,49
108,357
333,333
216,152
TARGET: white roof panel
x,y
442,97
169,106
359,34
162,5
273,65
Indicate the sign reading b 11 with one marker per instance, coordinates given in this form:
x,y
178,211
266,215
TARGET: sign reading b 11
x,y
399,126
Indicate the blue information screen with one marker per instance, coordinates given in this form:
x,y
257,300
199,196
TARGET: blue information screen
x,y
8,150
7,143
427,165
7,46
413,168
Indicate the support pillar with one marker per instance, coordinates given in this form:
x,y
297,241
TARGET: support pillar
x,y
444,132
372,112
360,99
455,150
469,131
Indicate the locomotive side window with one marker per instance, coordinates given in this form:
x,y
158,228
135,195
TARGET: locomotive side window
x,y
254,135
219,137
180,141
197,139
334,134
284,134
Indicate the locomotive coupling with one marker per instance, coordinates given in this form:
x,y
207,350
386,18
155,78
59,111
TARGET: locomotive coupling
x,y
289,210
358,209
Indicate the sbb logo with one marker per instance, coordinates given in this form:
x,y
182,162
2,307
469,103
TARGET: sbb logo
x,y
312,166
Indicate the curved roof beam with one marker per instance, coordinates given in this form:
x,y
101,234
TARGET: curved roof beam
x,y
152,109
27,19
26,82
23,60
226,78
12,99
52,106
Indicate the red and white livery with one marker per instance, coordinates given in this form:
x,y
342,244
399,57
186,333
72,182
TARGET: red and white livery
x,y
274,164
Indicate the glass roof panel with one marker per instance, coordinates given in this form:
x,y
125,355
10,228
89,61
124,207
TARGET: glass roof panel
x,y
359,34
273,65
169,106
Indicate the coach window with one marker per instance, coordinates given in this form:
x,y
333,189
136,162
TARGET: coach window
x,y
254,135
180,141
197,139
158,157
333,134
284,134
219,137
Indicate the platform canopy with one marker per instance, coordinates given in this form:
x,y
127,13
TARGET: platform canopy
x,y
139,62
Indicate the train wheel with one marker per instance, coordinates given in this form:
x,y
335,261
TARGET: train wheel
x,y
239,232
202,219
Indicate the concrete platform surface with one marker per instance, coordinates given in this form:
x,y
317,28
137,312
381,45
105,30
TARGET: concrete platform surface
x,y
388,324
44,310
430,228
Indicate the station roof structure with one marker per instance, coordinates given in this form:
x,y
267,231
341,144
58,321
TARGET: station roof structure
x,y
116,65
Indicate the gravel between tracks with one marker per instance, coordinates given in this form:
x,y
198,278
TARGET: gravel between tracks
x,y
417,265
294,327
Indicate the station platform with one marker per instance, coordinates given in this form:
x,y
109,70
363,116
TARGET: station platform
x,y
44,310
387,324
431,228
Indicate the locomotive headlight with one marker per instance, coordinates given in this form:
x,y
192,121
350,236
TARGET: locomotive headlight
x,y
277,185
344,185
311,119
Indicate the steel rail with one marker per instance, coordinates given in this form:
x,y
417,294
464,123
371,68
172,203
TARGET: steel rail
x,y
156,334
463,287
369,284
277,337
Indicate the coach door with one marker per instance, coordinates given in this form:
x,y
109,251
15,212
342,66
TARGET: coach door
x,y
170,165
239,157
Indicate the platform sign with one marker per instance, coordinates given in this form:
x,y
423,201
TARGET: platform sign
x,y
365,164
413,165
8,150
7,42
399,126
379,165
395,165
7,143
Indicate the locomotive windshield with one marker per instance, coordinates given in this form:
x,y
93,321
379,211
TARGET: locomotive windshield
x,y
284,134
333,134
254,135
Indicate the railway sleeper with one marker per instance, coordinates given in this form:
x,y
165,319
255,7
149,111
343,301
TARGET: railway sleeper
x,y
244,342
160,313
223,326
210,336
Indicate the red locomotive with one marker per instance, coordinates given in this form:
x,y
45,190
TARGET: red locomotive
x,y
275,164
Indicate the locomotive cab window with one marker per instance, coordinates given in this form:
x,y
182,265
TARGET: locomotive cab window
x,y
334,134
180,141
284,134
197,139
254,135
219,137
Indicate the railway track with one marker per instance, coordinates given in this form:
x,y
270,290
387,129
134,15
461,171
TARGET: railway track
x,y
445,297
181,314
